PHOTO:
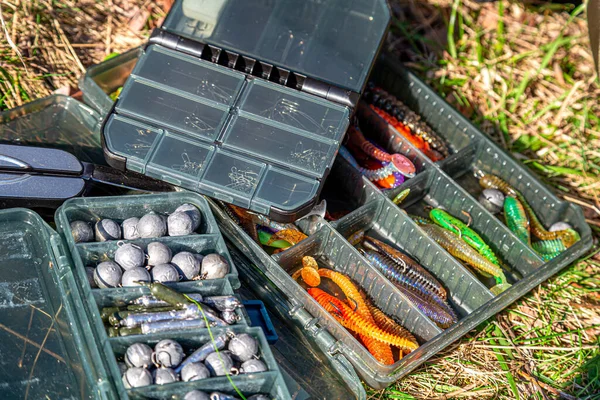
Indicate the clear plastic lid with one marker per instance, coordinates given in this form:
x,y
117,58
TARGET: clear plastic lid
x,y
335,41
215,131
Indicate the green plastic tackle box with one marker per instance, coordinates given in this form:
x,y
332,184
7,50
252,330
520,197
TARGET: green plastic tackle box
x,y
55,344
449,183
246,101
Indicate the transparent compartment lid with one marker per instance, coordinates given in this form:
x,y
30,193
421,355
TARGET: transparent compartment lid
x,y
43,350
335,41
212,130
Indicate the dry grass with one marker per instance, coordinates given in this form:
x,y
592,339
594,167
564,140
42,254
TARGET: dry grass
x,y
522,72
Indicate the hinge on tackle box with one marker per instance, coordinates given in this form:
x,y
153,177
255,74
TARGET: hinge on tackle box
x,y
255,67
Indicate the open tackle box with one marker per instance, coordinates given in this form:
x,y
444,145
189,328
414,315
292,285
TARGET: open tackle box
x,y
449,183
54,341
246,101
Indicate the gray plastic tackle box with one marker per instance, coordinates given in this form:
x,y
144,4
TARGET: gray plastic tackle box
x,y
449,183
246,101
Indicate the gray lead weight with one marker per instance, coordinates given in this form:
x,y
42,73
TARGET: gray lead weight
x,y
137,377
253,366
158,253
243,347
219,364
194,372
129,227
82,231
229,316
193,212
164,273
214,266
179,224
187,265
196,395
492,200
133,276
107,229
108,274
138,355
168,353
130,256
151,225
559,226
163,376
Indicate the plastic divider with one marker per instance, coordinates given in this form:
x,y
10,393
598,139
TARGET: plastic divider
x,y
382,220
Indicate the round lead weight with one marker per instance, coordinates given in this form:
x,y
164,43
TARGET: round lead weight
x,y
151,225
138,355
163,376
164,273
129,227
253,366
133,276
194,372
196,395
137,377
108,274
82,231
168,353
560,226
187,265
130,256
229,316
214,266
219,364
158,253
492,200
243,347
107,229
193,212
89,271
179,224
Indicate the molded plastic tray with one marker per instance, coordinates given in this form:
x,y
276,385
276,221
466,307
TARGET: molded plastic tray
x,y
55,121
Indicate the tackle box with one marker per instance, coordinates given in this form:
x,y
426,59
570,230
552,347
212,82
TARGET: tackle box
x,y
55,344
246,101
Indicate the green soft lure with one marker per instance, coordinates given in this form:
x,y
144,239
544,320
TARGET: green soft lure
x,y
264,238
549,248
516,219
454,225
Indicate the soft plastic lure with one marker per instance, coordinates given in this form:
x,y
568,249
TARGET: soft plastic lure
x,y
568,236
383,177
266,237
453,224
403,130
411,120
291,236
549,246
405,265
400,197
388,324
516,219
459,249
351,320
430,304
399,162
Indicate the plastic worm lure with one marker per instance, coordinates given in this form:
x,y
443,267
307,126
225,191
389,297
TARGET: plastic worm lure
x,y
453,224
394,107
388,324
291,236
407,266
370,174
399,162
381,351
516,219
568,236
358,324
420,220
459,249
430,304
400,197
